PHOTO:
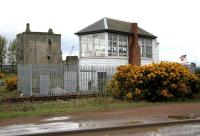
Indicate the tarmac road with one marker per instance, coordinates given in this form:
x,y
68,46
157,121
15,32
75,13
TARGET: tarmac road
x,y
173,130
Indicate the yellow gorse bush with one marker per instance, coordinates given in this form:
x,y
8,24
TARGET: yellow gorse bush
x,y
11,83
155,82
129,96
138,92
2,75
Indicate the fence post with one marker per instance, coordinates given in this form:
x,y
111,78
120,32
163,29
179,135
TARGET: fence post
x,y
19,78
30,79
77,78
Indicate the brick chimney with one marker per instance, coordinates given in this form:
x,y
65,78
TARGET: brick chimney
x,y
134,49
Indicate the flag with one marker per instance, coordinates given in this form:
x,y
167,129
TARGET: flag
x,y
183,57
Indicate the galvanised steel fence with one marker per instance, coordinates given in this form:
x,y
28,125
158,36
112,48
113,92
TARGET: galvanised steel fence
x,y
7,68
47,80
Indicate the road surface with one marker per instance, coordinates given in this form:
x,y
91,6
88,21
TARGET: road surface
x,y
174,130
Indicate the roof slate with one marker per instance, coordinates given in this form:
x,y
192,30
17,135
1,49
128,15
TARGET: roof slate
x,y
115,26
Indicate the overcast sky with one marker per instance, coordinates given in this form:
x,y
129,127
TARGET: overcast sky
x,y
176,23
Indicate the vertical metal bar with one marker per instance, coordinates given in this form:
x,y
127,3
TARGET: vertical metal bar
x,y
19,77
92,82
30,79
104,76
77,78
81,78
25,79
86,80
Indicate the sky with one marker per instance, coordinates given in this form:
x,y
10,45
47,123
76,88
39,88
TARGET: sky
x,y
176,23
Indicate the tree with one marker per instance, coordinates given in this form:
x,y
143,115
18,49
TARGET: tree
x,y
3,50
12,53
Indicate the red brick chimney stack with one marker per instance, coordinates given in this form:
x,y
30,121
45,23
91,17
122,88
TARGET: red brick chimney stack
x,y
134,49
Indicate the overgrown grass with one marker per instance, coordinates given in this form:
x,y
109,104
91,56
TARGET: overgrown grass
x,y
7,76
8,111
51,108
5,93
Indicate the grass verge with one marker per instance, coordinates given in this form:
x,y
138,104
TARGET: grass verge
x,y
8,111
52,108
5,93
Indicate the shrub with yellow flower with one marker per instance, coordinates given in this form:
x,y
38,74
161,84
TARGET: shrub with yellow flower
x,y
11,83
2,75
176,80
138,92
129,96
166,93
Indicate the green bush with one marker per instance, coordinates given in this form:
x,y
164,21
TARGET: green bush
x,y
154,82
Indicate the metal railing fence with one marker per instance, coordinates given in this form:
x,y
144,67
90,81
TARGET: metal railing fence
x,y
47,80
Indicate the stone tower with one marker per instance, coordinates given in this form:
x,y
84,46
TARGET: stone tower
x,y
38,47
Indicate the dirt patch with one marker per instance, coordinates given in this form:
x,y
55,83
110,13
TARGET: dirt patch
x,y
153,112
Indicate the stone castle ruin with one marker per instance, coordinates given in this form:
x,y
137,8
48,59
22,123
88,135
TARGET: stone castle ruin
x,y
38,47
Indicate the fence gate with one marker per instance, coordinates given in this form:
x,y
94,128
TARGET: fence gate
x,y
70,81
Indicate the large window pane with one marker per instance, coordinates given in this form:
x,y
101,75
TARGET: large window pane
x,y
93,45
84,47
120,50
123,44
89,46
117,44
146,47
114,37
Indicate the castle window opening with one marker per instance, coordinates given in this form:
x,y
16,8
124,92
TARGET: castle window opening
x,y
50,42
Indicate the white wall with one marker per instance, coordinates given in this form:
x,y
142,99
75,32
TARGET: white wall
x,y
155,51
146,61
103,61
110,61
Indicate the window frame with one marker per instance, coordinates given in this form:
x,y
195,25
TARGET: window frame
x,y
123,44
91,45
146,47
93,48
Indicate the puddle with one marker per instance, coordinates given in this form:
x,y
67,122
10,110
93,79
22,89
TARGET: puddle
x,y
183,117
57,118
26,129
60,124
63,123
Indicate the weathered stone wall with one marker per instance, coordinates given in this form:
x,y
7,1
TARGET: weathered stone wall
x,y
39,48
